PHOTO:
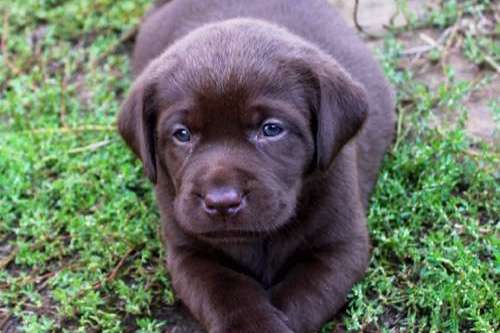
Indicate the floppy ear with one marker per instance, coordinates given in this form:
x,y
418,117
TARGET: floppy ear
x,y
341,107
136,124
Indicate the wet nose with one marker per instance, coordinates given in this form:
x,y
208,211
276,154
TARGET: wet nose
x,y
223,200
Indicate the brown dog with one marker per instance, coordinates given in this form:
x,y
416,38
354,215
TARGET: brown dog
x,y
262,125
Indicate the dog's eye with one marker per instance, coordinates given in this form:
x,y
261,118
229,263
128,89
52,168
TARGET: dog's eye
x,y
272,129
182,135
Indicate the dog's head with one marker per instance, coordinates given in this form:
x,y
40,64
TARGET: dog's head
x,y
235,115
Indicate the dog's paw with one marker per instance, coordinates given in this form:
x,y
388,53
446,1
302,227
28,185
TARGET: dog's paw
x,y
270,321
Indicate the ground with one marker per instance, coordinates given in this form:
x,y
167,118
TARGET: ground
x,y
79,249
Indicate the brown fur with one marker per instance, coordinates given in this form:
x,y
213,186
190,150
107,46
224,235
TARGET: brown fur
x,y
285,261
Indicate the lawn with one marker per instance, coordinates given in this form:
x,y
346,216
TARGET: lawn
x,y
79,250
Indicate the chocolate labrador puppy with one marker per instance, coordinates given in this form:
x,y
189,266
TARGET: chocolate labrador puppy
x,y
262,125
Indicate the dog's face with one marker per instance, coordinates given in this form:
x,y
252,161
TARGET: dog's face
x,y
235,115
236,149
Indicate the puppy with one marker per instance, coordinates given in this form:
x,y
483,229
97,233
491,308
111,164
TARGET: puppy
x,y
262,125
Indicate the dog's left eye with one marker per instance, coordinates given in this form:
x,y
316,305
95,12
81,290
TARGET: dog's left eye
x,y
182,135
272,129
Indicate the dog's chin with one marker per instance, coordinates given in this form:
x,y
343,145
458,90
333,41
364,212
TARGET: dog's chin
x,y
231,237
223,235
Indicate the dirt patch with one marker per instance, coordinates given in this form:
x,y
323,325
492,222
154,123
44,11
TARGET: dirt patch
x,y
375,15
480,122
180,321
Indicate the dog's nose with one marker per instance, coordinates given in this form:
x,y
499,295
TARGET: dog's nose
x,y
223,200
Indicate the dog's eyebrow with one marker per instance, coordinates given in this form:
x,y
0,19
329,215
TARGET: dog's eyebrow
x,y
273,103
168,107
174,113
281,108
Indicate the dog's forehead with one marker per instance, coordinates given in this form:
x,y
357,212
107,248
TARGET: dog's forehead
x,y
226,54
222,64
237,100
232,41
223,69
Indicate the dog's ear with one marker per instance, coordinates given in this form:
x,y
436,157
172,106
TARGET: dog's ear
x,y
340,106
136,124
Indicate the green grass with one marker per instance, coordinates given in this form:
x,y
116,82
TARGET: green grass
x,y
79,250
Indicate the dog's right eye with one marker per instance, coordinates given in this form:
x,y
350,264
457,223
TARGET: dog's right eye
x,y
182,134
272,129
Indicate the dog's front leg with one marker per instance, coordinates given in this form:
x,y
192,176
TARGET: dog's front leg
x,y
317,286
224,300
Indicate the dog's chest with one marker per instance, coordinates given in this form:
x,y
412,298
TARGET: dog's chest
x,y
259,260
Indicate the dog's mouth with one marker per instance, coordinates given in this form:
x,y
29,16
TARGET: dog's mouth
x,y
232,235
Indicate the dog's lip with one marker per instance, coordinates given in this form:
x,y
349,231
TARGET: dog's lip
x,y
231,234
